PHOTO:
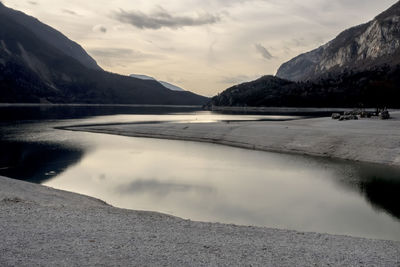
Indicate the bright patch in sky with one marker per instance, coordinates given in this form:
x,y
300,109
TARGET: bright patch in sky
x,y
203,46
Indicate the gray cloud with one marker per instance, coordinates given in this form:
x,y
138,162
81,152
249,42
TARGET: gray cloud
x,y
162,18
263,51
112,57
119,53
33,3
70,12
100,28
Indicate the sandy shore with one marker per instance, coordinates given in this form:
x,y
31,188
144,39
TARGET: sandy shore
x,y
40,226
367,140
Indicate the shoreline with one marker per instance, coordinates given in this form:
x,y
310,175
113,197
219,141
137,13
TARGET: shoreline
x,y
366,140
44,226
280,109
92,105
287,110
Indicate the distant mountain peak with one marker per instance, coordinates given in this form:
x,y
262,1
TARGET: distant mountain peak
x,y
358,48
165,84
142,77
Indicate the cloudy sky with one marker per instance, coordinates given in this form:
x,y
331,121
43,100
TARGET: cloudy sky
x,y
203,46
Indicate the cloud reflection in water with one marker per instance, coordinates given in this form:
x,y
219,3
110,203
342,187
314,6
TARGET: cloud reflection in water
x,y
161,189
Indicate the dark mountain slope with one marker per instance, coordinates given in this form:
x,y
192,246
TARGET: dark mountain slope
x,y
50,36
32,70
359,48
378,87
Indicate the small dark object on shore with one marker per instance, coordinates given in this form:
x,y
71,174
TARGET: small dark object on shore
x,y
384,115
348,117
365,114
356,114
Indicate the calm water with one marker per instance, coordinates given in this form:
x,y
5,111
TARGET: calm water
x,y
198,181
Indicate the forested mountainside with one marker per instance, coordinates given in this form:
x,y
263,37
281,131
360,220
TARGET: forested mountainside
x,y
378,87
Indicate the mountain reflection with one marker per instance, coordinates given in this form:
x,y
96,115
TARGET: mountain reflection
x,y
54,112
383,195
380,185
36,162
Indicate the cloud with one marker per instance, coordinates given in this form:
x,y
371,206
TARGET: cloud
x,y
100,28
163,19
113,57
70,12
33,3
263,51
114,52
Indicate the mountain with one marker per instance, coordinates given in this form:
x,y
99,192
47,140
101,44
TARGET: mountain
x,y
359,68
142,77
165,84
171,86
39,67
265,91
50,36
359,48
377,87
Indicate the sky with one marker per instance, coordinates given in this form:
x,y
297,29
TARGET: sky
x,y
203,46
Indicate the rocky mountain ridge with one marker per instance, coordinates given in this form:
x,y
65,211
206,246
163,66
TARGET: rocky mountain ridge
x,y
359,48
359,68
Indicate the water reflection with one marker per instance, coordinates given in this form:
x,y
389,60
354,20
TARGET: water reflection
x,y
162,189
62,112
379,185
203,181
217,183
383,195
36,162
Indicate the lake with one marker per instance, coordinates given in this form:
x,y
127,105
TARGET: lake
x,y
197,181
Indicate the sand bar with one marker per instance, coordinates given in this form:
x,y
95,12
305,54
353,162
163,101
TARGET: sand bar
x,y
367,140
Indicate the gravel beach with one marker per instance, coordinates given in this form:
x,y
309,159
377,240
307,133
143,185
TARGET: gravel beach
x,y
40,226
